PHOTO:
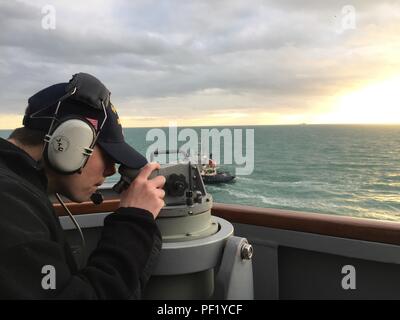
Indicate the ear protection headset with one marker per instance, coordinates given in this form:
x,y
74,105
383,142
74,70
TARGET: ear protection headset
x,y
70,143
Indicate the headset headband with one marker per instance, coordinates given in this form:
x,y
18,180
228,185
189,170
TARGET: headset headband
x,y
83,88
79,97
88,90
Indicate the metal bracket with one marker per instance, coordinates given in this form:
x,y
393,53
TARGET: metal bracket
x,y
234,280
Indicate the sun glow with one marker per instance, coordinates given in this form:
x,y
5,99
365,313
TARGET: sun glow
x,y
375,104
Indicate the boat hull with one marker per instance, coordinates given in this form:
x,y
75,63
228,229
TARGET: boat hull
x,y
221,177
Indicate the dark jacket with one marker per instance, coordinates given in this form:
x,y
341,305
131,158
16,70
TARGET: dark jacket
x,y
31,238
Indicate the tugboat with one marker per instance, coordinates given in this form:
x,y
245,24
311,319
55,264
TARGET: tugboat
x,y
211,175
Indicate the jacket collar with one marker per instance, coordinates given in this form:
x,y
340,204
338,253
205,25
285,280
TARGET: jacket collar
x,y
22,164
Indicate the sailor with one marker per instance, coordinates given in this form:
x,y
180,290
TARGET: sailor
x,y
69,143
211,163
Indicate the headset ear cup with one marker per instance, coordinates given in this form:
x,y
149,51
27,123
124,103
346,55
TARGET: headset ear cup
x,y
68,146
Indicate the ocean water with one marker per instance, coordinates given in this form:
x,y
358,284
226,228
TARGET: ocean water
x,y
351,170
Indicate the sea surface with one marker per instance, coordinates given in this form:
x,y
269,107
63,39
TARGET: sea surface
x,y
351,170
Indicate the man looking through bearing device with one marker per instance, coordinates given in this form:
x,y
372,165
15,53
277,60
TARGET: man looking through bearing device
x,y
69,144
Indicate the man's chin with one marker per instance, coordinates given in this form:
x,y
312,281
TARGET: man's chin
x,y
79,198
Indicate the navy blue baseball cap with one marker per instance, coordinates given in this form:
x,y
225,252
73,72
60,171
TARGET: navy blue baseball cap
x,y
83,96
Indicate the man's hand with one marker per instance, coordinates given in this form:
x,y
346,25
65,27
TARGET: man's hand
x,y
144,193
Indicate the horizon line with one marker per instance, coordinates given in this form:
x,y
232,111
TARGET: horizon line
x,y
256,125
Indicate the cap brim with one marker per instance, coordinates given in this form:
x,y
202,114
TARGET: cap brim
x,y
124,154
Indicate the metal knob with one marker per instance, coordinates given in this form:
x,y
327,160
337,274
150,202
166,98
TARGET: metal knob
x,y
246,252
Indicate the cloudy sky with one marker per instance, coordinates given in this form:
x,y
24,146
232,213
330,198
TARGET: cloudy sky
x,y
210,62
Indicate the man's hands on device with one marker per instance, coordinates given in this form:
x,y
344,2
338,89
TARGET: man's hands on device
x,y
145,193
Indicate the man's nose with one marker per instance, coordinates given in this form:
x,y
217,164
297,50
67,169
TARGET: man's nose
x,y
110,170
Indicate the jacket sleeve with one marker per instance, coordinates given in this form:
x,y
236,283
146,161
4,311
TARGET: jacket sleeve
x,y
123,261
34,266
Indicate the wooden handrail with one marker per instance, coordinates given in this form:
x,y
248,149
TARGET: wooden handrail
x,y
324,224
318,223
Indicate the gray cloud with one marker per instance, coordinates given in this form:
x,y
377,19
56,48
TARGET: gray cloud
x,y
150,49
